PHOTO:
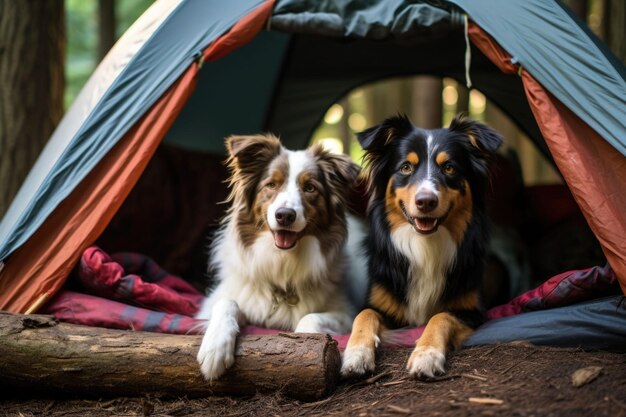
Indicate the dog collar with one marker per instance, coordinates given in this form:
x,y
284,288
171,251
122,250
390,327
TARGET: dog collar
x,y
280,296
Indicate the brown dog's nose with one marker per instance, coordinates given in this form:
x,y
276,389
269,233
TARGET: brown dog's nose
x,y
285,216
426,201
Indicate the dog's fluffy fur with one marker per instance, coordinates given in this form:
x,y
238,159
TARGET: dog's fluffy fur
x,y
427,238
278,258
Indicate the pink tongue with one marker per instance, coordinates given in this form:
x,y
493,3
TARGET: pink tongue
x,y
285,239
425,224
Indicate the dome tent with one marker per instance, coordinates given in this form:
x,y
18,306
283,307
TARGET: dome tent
x,y
178,76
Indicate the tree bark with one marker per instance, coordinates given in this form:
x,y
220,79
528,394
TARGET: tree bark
x,y
614,25
427,103
32,54
462,104
579,7
42,355
106,27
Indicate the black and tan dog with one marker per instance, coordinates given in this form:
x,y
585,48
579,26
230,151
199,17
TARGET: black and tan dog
x,y
427,238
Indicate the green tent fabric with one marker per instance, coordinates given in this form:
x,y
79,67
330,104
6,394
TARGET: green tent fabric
x,y
540,35
123,88
562,54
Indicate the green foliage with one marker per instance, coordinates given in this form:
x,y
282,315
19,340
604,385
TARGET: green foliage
x,y
82,38
82,43
127,11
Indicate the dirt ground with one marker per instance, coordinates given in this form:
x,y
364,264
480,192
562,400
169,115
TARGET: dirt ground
x,y
515,379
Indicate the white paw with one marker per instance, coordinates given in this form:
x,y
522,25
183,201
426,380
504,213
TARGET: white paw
x,y
329,323
426,362
216,354
217,351
309,324
358,361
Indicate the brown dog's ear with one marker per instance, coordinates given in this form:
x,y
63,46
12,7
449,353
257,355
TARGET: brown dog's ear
x,y
247,149
340,173
248,156
339,169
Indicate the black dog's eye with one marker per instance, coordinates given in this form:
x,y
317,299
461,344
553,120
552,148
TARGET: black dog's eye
x,y
309,188
448,169
406,168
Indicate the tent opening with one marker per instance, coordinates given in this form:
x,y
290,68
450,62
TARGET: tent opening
x,y
538,230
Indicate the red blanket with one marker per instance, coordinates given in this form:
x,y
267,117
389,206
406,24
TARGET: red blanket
x,y
130,291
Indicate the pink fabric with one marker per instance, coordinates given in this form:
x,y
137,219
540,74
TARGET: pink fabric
x,y
122,277
90,310
561,290
130,291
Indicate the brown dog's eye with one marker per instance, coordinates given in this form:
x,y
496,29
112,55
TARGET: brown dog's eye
x,y
406,169
449,169
271,185
309,188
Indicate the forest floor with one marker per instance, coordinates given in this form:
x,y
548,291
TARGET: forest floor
x,y
514,379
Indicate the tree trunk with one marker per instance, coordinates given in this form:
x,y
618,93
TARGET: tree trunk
x,y
427,103
344,126
32,54
106,27
462,104
579,7
42,355
614,25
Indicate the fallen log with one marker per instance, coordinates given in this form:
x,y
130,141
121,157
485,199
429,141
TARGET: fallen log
x,y
40,354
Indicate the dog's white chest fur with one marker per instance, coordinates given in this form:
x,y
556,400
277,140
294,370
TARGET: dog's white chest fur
x,y
255,276
430,257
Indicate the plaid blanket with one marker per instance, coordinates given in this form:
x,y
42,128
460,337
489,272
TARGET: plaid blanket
x,y
130,291
562,290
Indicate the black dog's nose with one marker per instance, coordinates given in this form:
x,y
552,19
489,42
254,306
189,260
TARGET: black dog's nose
x,y
285,216
426,201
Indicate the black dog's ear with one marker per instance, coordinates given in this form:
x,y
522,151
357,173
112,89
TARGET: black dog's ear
x,y
480,136
375,141
483,141
376,138
248,156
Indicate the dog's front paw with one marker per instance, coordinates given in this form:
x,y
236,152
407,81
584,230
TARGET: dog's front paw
x,y
310,323
216,355
329,323
426,362
358,361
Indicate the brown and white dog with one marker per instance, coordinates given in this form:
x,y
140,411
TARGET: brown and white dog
x,y
427,238
279,257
